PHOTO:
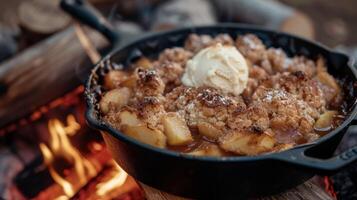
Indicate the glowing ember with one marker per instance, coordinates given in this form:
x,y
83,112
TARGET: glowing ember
x,y
69,99
60,146
63,197
118,179
329,187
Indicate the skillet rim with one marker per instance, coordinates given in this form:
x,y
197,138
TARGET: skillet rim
x,y
100,125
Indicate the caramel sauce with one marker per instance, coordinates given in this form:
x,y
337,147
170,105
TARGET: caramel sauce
x,y
337,120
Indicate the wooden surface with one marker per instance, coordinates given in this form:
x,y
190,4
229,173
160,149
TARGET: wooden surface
x,y
42,73
309,191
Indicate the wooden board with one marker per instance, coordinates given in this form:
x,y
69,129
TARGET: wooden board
x,y
308,190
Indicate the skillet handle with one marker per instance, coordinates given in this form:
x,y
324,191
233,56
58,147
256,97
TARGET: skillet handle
x,y
317,165
87,14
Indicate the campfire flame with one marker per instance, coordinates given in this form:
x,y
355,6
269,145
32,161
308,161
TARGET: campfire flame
x,y
60,146
67,187
119,177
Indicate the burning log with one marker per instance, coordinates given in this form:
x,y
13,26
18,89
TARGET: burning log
x,y
110,185
74,175
42,73
60,146
97,159
269,13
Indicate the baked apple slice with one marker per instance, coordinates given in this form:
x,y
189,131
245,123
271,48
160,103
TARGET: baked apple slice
x,y
247,143
324,122
208,130
114,78
176,130
115,98
129,118
146,135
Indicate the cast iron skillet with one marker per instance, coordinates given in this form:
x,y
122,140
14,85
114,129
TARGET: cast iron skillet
x,y
217,177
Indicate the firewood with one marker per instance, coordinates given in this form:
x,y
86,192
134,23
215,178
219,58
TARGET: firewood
x,y
178,13
89,191
42,73
10,165
98,160
42,16
268,13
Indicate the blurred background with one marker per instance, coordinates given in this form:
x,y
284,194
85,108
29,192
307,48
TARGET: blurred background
x,y
45,56
25,22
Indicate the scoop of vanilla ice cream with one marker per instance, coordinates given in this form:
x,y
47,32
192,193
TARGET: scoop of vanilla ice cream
x,y
218,66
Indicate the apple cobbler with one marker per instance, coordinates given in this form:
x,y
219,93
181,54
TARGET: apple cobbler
x,y
217,96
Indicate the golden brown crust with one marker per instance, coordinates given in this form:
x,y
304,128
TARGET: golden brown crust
x,y
148,83
175,55
252,48
170,72
195,42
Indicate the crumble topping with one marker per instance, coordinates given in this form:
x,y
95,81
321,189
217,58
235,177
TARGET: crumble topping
x,y
212,99
284,100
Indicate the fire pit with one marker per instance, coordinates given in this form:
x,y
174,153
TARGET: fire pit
x,y
69,160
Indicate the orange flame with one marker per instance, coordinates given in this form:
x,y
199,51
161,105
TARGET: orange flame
x,y
60,146
118,179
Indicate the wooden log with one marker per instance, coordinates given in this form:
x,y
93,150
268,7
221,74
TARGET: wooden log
x,y
308,190
42,16
10,165
42,73
268,13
